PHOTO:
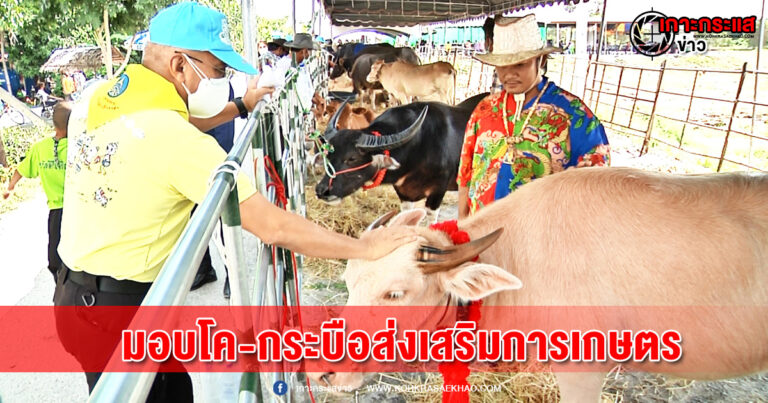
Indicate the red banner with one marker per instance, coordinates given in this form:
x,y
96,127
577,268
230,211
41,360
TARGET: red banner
x,y
379,339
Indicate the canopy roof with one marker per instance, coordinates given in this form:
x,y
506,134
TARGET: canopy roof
x,y
412,12
78,58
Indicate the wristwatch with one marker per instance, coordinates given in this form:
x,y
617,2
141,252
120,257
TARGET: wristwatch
x,y
241,107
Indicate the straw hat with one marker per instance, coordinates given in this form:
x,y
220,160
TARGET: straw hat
x,y
515,39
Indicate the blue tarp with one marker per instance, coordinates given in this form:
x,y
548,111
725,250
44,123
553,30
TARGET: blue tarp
x,y
14,80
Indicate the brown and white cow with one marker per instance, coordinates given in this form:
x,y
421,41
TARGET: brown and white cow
x,y
405,80
350,118
347,118
602,237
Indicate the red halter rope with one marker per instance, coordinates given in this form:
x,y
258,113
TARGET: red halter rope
x,y
377,178
281,200
455,373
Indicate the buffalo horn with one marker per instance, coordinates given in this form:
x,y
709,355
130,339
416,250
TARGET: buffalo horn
x,y
331,128
433,260
381,221
369,142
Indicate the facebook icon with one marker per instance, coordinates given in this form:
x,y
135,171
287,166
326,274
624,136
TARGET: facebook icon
x,y
280,388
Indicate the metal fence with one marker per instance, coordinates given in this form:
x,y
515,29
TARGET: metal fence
x,y
716,116
275,135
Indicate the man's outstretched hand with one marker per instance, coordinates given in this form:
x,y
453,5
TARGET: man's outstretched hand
x,y
381,241
254,94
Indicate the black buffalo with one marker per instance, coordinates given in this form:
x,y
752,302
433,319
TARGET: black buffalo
x,y
424,140
346,56
346,53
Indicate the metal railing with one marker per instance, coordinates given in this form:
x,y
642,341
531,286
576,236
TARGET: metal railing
x,y
275,130
716,115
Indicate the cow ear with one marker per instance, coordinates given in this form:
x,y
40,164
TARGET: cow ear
x,y
409,217
381,161
474,281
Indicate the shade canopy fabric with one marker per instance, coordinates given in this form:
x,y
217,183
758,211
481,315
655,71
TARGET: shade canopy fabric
x,y
78,58
413,12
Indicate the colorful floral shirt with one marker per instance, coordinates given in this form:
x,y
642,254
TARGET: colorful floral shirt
x,y
561,133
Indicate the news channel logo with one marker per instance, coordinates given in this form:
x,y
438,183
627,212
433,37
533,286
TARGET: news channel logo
x,y
647,38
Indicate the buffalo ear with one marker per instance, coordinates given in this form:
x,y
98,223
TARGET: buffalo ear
x,y
409,217
475,281
381,161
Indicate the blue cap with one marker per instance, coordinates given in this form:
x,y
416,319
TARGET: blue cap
x,y
192,26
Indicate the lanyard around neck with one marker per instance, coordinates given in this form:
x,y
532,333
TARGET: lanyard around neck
x,y
530,111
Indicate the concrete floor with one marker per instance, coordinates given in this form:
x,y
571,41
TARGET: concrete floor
x,y
26,281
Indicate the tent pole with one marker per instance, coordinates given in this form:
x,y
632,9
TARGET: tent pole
x,y
250,35
761,36
5,63
602,33
761,41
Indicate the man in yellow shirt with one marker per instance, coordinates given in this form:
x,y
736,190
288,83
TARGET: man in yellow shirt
x,y
67,86
139,167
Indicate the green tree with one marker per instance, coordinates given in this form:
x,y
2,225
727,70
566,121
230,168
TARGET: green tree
x,y
268,26
30,48
41,26
230,8
102,18
14,15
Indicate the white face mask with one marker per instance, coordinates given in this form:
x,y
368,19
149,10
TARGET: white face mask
x,y
211,96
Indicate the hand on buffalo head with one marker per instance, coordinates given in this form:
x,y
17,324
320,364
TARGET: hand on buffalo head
x,y
426,272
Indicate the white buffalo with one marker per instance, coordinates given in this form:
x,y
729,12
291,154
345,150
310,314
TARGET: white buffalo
x,y
601,237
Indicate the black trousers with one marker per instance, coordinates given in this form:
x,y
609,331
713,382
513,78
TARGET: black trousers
x,y
54,235
74,325
206,264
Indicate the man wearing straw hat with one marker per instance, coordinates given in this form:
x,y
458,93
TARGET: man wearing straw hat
x,y
531,129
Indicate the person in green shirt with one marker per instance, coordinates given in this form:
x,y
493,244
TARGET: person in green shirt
x,y
48,159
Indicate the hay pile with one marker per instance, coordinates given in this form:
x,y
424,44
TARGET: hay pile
x,y
355,212
514,387
350,217
539,386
